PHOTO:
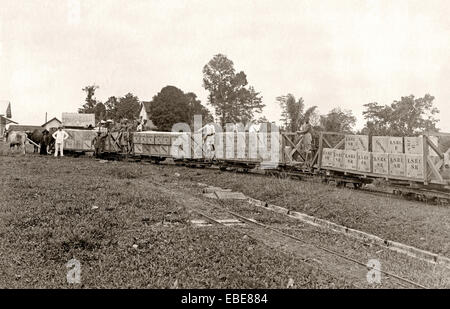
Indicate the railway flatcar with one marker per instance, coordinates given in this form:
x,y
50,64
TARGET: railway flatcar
x,y
410,164
415,162
79,140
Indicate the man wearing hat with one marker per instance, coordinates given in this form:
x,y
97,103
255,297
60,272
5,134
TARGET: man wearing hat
x,y
59,137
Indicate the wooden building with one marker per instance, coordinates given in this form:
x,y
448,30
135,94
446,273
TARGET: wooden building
x,y
144,114
5,115
52,123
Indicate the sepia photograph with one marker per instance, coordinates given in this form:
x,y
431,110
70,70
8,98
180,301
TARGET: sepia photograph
x,y
217,153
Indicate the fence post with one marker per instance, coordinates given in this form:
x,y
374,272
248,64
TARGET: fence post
x,y
320,149
425,158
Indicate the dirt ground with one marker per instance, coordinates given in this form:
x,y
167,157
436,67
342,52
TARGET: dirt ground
x,y
128,233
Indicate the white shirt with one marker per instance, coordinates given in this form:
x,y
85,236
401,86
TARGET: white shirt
x,y
209,129
60,136
254,128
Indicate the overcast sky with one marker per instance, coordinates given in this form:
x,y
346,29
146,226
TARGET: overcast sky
x,y
331,53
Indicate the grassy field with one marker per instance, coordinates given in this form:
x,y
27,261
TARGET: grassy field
x,y
53,210
127,233
410,222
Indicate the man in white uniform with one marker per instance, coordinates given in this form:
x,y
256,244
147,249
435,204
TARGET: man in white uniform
x,y
208,132
59,137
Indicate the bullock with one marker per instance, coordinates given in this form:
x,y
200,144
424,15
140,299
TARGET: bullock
x,y
43,138
17,139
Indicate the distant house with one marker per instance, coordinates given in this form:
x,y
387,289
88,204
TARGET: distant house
x,y
52,123
5,109
5,115
77,120
23,128
145,115
3,122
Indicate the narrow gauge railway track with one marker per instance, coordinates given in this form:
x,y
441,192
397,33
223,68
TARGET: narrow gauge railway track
x,y
398,192
332,252
213,210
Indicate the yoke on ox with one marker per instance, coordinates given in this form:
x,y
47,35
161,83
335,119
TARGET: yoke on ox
x,y
17,139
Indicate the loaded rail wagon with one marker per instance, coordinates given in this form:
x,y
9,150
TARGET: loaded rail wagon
x,y
417,165
79,127
159,145
417,161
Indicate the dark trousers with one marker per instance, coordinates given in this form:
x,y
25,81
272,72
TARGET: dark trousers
x,y
43,150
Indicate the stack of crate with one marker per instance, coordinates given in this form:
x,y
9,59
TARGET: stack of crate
x,y
414,157
157,144
390,156
79,140
405,157
357,154
387,155
244,146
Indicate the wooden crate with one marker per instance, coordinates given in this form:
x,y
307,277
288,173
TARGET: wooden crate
x,y
351,160
243,146
138,148
397,164
380,163
79,140
395,144
414,145
357,142
156,150
339,158
327,157
380,144
414,166
182,147
149,139
365,161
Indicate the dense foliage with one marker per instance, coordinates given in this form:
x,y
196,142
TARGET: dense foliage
x,y
171,105
233,100
409,116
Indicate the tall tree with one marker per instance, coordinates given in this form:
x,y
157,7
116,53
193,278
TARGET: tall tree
x,y
338,120
409,116
293,113
195,107
229,93
92,106
111,108
171,105
128,107
89,106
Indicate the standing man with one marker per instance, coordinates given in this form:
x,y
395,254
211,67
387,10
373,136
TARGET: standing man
x,y
59,137
307,139
44,143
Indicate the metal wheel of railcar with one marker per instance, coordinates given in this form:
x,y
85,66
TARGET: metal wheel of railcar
x,y
357,185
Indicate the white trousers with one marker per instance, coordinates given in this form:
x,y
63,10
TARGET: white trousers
x,y
59,147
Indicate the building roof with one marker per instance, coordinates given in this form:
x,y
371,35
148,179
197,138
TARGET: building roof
x,y
54,118
24,128
5,108
78,120
146,105
7,120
